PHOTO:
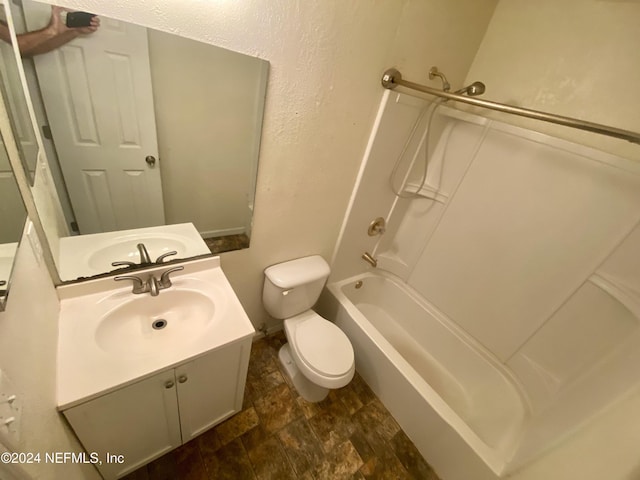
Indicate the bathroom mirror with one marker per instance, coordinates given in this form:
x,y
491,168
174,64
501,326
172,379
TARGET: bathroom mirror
x,y
143,128
12,210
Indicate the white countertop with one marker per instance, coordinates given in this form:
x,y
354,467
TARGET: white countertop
x,y
86,371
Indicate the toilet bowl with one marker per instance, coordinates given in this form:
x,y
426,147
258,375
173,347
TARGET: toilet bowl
x,y
321,352
318,356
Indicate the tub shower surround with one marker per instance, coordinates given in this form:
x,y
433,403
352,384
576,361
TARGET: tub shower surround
x,y
503,312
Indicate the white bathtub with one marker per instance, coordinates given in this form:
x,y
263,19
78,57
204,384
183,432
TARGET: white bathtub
x,y
462,409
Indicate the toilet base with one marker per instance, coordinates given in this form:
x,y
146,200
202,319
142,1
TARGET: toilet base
x,y
305,387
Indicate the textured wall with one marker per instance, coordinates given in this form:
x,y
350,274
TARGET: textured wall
x,y
28,344
574,58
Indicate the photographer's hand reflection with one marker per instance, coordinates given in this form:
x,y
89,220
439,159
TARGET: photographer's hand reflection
x,y
50,37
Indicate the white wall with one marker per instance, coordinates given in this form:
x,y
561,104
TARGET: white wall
x,y
574,58
28,344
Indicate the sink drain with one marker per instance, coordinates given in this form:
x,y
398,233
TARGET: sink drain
x,y
159,324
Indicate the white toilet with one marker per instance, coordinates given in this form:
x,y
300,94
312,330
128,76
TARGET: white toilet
x,y
319,356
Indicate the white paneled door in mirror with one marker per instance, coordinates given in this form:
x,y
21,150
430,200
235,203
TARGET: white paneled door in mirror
x,y
98,98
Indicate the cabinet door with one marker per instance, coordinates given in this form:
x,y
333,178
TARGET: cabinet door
x,y
211,388
140,422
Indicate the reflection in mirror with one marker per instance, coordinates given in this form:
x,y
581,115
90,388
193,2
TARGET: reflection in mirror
x,y
12,210
147,129
16,103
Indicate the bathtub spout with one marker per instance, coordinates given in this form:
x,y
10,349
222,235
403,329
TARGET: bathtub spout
x,y
369,259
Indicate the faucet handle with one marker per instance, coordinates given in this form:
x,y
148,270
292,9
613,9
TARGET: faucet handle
x,y
165,255
123,264
138,283
165,281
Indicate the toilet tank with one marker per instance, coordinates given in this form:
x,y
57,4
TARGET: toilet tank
x,y
293,287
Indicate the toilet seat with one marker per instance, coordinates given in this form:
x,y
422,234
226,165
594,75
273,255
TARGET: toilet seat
x,y
322,351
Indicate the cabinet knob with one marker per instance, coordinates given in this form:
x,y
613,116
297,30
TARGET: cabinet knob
x,y
182,378
169,384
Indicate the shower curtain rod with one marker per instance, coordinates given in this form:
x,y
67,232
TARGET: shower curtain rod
x,y
392,78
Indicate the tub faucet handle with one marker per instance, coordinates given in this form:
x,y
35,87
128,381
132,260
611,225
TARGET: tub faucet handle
x,y
377,227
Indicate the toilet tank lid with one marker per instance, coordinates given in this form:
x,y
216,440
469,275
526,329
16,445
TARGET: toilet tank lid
x,y
298,272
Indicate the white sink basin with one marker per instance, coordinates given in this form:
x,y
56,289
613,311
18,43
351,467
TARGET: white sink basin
x,y
146,324
125,248
107,337
88,255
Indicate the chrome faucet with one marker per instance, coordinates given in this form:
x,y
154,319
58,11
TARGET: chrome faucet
x,y
152,284
144,254
369,259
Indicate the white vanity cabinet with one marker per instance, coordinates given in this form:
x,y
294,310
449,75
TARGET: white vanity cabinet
x,y
147,419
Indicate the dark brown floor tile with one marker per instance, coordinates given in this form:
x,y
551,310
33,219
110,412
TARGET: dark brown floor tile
x,y
374,417
269,461
359,441
229,462
306,476
385,466
139,474
255,437
263,359
333,425
361,389
350,398
410,457
249,395
209,442
342,463
163,468
369,428
277,408
301,446
227,243
309,409
264,383
237,425
389,427
189,464
276,340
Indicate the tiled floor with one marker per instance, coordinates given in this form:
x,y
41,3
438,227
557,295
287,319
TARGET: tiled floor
x,y
278,435
227,243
